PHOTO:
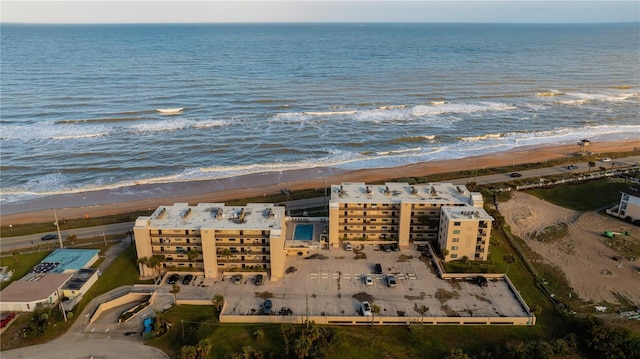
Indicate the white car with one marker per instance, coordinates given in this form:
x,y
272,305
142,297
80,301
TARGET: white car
x,y
348,247
365,308
606,159
368,279
391,281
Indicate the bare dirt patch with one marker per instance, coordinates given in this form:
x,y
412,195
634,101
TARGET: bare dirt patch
x,y
416,297
263,295
583,254
317,256
444,295
362,296
403,258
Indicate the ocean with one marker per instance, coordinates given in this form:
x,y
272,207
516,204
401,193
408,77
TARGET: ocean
x,y
79,103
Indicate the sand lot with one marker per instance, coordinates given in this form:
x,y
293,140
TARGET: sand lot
x,y
583,255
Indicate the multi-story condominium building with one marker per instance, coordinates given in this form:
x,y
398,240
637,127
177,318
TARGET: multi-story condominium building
x,y
629,206
399,212
464,232
212,237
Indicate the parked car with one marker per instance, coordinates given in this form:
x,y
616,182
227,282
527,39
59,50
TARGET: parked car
x,y
377,268
236,279
516,175
7,319
395,247
365,309
368,279
391,281
268,305
173,278
572,167
49,237
348,247
259,279
606,159
187,279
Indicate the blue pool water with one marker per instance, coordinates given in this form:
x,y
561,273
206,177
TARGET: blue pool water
x,y
303,232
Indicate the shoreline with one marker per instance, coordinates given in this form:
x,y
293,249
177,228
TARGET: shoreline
x,y
150,196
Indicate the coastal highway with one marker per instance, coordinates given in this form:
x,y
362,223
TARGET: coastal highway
x,y
10,243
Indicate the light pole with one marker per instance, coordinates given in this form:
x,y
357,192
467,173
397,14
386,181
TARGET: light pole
x,y
104,239
55,215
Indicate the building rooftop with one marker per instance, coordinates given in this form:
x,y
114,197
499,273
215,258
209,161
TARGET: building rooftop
x,y
34,288
469,213
79,279
632,191
216,215
395,192
71,259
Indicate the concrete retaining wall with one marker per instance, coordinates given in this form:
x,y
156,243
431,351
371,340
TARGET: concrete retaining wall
x,y
344,320
127,298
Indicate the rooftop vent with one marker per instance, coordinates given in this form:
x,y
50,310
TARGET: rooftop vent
x,y
368,190
186,213
387,191
241,215
219,213
162,212
342,192
433,191
460,190
414,190
269,213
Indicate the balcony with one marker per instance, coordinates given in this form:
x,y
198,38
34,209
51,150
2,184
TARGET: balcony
x,y
238,244
243,236
241,261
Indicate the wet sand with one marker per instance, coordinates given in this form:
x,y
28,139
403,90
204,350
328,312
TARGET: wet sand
x,y
150,196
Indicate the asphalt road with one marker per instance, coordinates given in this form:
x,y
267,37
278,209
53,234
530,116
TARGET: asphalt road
x,y
10,243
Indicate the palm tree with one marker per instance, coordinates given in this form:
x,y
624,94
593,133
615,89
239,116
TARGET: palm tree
x,y
375,309
423,309
175,290
218,302
203,348
155,262
193,255
591,164
188,352
71,239
508,258
227,254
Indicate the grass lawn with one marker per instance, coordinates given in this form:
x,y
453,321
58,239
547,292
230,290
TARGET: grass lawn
x,y
586,196
25,262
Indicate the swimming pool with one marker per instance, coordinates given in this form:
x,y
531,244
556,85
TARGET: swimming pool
x,y
303,232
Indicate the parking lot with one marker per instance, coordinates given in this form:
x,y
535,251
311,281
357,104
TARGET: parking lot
x,y
331,283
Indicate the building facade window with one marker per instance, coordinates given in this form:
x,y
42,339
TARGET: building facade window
x,y
455,240
454,256
456,231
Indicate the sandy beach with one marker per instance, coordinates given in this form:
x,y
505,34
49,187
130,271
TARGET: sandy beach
x,y
150,196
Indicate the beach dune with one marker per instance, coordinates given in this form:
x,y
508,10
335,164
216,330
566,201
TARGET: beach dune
x,y
150,196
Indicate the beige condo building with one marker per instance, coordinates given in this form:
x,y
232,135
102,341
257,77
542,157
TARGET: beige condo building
x,y
399,212
212,238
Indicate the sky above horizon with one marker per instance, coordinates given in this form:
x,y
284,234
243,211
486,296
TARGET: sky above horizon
x,y
236,11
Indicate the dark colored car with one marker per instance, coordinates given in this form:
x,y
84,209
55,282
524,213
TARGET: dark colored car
x,y
49,237
516,175
267,306
378,268
187,279
259,279
173,278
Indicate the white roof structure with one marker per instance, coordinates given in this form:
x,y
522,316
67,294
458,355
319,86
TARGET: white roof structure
x,y
216,215
394,192
468,213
